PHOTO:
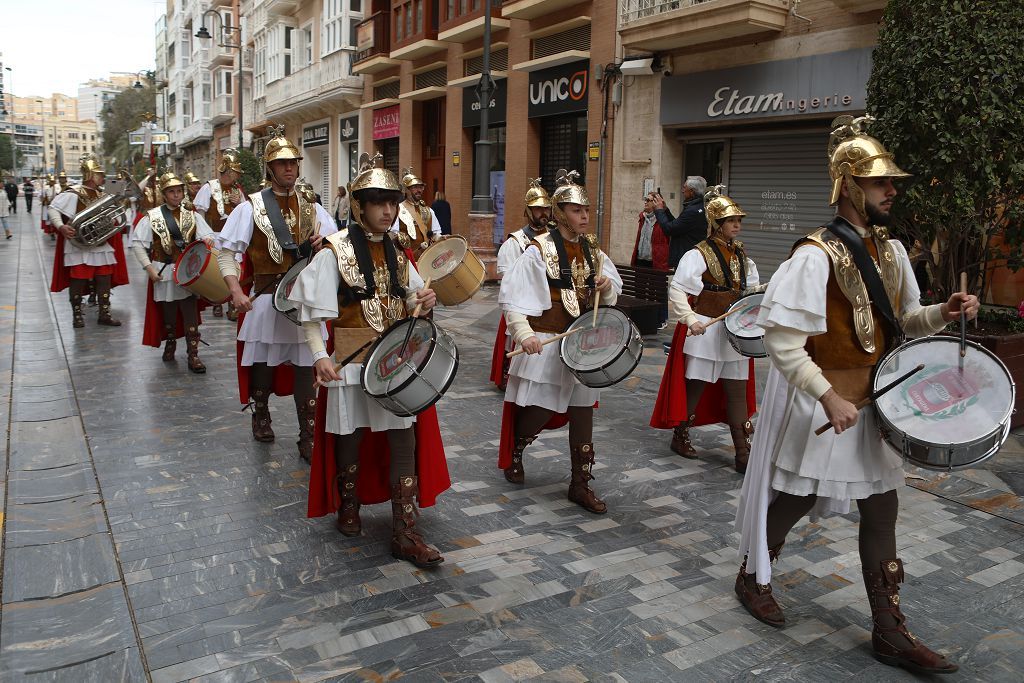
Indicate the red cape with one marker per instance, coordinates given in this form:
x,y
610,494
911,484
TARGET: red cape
x,y
670,408
283,382
45,224
374,459
61,280
153,329
499,363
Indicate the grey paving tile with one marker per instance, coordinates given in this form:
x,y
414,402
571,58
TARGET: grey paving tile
x,y
58,568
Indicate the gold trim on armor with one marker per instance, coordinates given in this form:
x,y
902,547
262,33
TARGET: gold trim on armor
x,y
383,309
187,226
580,273
262,221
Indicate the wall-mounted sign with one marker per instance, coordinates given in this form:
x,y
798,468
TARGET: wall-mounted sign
x,y
594,151
364,35
348,128
456,159
559,90
316,135
496,112
385,123
828,85
159,138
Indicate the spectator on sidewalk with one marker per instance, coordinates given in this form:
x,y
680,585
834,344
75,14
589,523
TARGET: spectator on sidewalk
x,y
5,211
690,227
29,190
651,248
11,188
443,211
340,208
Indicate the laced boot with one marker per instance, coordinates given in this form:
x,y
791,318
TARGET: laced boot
x,y
757,598
77,318
105,318
515,472
261,430
170,345
741,437
892,643
681,440
192,339
579,490
218,311
92,297
307,421
406,543
232,314
348,522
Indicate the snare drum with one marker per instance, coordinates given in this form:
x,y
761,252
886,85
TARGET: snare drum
x,y
941,418
197,271
456,272
605,354
281,303
409,387
741,327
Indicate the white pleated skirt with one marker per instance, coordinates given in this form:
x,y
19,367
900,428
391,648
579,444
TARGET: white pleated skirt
x,y
543,380
349,408
271,338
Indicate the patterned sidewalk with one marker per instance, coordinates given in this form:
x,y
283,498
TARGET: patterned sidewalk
x,y
227,580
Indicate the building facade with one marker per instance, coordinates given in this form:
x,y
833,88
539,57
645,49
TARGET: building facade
x,y
48,133
95,94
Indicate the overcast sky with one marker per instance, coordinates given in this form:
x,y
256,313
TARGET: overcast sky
x,y
53,45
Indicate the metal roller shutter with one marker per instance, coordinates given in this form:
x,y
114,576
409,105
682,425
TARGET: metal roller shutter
x,y
782,183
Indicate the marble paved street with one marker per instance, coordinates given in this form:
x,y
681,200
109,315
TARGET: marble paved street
x,y
147,536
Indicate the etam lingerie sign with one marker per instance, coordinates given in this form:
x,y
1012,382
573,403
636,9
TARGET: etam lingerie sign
x,y
559,90
828,85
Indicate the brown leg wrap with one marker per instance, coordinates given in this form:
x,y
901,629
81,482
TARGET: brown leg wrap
x,y
192,338
515,473
579,488
102,286
406,543
757,598
892,643
77,318
170,343
681,440
741,437
261,430
218,311
346,460
305,410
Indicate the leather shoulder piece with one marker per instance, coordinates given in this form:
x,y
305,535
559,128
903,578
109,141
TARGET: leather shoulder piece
x,y
714,267
851,284
307,219
348,266
187,224
550,254
159,227
891,267
262,222
520,238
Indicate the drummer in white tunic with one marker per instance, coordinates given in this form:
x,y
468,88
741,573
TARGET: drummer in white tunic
x,y
714,274
549,286
364,283
824,343
276,228
177,308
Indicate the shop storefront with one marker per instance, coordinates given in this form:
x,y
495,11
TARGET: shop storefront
x,y
558,98
348,147
385,136
496,133
316,161
762,130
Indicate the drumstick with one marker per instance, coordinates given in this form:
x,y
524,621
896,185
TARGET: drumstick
x,y
163,269
415,314
597,292
715,320
348,359
865,401
963,322
557,337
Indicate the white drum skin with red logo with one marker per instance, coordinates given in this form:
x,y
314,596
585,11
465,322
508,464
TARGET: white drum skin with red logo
x,y
197,271
281,303
605,354
455,272
741,328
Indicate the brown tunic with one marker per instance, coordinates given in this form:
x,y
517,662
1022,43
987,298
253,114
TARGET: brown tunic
x,y
713,303
556,319
259,248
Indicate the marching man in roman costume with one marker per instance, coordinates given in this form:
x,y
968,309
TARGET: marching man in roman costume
x,y
363,282
276,228
416,221
192,186
706,381
76,266
45,199
548,287
538,213
846,295
157,242
217,198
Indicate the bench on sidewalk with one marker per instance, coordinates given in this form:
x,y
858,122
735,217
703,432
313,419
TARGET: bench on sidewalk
x,y
644,293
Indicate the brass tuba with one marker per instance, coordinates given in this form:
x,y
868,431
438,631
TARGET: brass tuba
x,y
98,222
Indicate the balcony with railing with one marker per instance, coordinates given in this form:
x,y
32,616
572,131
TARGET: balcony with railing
x,y
463,20
414,29
308,89
373,45
219,54
282,8
222,109
656,25
532,9
197,131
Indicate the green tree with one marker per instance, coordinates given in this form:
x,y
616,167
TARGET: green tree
x,y
946,88
122,115
252,171
10,156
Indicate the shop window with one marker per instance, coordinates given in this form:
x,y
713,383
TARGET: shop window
x,y
389,148
708,160
563,145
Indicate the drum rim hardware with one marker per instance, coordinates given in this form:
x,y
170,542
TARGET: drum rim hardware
x,y
635,337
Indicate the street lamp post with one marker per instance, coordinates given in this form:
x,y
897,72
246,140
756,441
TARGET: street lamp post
x,y
42,127
203,34
482,202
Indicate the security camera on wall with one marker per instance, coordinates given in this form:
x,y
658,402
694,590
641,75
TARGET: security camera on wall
x,y
664,66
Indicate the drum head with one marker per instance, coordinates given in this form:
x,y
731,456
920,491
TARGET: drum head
x,y
595,347
284,288
442,258
743,323
940,404
383,369
191,264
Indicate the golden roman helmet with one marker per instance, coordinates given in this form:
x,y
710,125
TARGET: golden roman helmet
x,y
537,195
567,191
191,177
50,180
409,179
371,175
230,160
279,147
90,164
854,154
169,180
62,178
718,206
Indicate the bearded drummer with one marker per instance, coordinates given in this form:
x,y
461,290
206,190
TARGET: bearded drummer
x,y
77,267
537,213
705,380
172,311
416,222
824,343
217,198
365,454
274,230
547,288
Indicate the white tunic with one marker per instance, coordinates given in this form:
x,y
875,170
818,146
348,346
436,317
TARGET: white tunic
x,y
786,455
348,407
403,211
709,356
165,289
102,254
267,336
543,379
203,198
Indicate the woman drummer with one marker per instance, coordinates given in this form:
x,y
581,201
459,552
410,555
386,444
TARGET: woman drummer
x,y
702,365
550,285
362,453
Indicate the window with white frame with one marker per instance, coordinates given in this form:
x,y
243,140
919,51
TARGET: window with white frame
x,y
279,52
222,82
306,45
259,65
340,16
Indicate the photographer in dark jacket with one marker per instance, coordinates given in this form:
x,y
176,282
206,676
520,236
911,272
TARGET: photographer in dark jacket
x,y
690,227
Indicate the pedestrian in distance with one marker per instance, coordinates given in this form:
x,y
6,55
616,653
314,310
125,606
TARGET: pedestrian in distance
x,y
689,227
443,211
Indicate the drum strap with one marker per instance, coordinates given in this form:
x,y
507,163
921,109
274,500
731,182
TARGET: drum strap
x,y
564,267
172,226
281,230
365,262
726,271
872,280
